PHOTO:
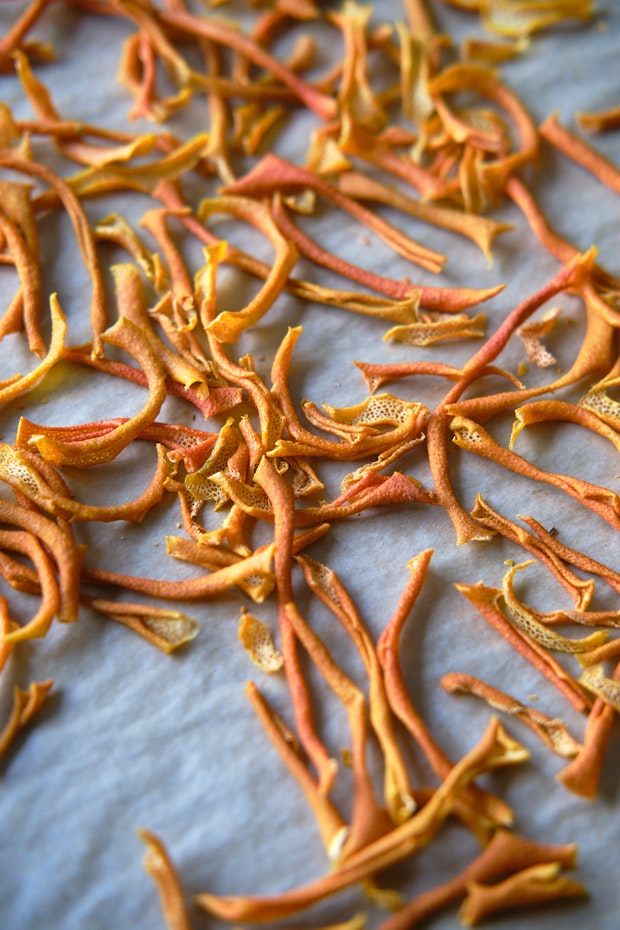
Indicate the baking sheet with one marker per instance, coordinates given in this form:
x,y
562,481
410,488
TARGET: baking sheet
x,y
132,738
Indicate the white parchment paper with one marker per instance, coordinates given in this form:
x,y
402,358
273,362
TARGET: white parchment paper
x,y
132,738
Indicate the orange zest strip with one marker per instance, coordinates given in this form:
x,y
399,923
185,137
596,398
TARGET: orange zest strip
x,y
580,152
486,602
274,174
324,582
310,249
20,471
552,731
471,436
601,121
255,637
593,678
427,330
466,528
480,229
214,557
531,622
573,556
219,399
192,588
28,545
158,864
538,884
368,821
124,335
506,853
376,376
478,809
25,706
321,104
580,590
521,18
168,630
83,233
228,325
545,411
20,384
27,267
582,775
94,181
16,34
60,544
560,248
191,446
495,749
332,827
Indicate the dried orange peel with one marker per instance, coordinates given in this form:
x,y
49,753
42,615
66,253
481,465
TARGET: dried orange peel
x,y
406,140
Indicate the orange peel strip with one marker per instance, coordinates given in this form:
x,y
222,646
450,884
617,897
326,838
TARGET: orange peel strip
x,y
368,821
228,326
593,678
158,864
324,582
27,267
495,749
601,121
166,629
552,731
25,706
573,556
255,637
274,174
332,827
192,588
505,853
20,384
580,152
480,229
16,34
517,18
530,621
20,471
428,332
486,602
582,775
406,294
480,810
27,544
538,884
580,590
471,436
545,411
81,226
60,543
85,452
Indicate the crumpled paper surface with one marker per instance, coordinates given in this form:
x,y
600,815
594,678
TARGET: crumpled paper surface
x,y
132,738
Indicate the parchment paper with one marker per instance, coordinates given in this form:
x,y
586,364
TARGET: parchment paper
x,y
132,738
